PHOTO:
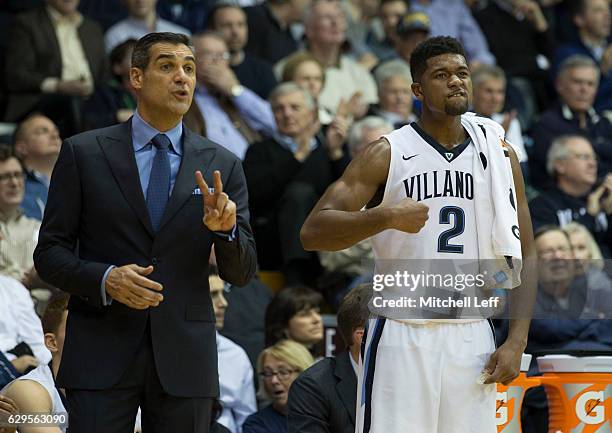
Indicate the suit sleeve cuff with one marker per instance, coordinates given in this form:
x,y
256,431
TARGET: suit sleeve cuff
x,y
106,299
228,235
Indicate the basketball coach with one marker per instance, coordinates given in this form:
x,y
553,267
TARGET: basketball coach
x,y
128,230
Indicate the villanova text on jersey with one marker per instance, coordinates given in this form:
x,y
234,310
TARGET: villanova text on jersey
x,y
439,183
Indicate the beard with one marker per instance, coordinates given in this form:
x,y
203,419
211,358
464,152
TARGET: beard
x,y
456,108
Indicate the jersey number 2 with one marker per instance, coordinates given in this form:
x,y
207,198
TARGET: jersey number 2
x,y
444,245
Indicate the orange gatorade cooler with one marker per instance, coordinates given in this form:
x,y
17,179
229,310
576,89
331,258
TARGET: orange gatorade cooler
x,y
510,399
579,392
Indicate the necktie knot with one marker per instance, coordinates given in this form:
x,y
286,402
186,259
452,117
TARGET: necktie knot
x,y
161,142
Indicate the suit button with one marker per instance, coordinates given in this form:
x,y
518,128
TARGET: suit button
x,y
154,260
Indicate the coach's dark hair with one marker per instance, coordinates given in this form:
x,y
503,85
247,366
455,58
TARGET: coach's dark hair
x,y
286,304
353,311
429,48
141,55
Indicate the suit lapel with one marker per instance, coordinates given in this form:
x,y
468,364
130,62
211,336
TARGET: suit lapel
x,y
196,156
119,152
347,385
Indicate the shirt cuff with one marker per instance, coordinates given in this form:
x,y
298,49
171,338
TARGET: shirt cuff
x,y
229,235
49,85
106,299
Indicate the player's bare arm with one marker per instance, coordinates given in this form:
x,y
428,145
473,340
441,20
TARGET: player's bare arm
x,y
504,364
338,221
31,397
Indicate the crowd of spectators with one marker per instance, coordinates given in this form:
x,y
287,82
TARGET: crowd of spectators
x,y
296,89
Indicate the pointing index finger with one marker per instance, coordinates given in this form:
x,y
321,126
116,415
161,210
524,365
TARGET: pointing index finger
x,y
202,183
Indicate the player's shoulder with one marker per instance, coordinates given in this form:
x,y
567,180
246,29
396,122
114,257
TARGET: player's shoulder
x,y
29,395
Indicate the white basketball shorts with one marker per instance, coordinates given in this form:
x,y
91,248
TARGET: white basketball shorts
x,y
422,378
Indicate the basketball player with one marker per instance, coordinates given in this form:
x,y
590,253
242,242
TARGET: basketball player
x,y
424,376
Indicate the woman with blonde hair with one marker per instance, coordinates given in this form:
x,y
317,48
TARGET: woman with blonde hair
x,y
277,367
590,266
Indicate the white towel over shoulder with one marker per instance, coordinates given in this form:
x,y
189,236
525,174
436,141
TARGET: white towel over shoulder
x,y
499,243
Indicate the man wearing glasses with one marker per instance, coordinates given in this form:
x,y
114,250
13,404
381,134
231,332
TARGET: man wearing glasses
x,y
577,194
18,233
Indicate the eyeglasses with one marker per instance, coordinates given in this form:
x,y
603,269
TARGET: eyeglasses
x,y
283,374
549,252
19,175
584,156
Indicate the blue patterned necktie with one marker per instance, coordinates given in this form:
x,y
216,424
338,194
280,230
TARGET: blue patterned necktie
x,y
159,182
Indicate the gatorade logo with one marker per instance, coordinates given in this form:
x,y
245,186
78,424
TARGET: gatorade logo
x,y
589,407
502,408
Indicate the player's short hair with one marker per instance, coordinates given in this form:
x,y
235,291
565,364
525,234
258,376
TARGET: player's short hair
x,y
558,150
141,54
432,47
290,87
286,304
487,72
52,317
353,311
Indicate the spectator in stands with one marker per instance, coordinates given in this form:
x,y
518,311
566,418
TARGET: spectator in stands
x,y
191,14
365,131
54,58
223,110
592,19
114,101
21,334
453,18
325,30
360,14
382,43
37,144
307,72
18,233
590,266
412,29
36,391
142,19
323,398
230,21
576,85
7,374
522,42
489,96
237,393
393,80
294,314
286,175
269,24
277,367
573,165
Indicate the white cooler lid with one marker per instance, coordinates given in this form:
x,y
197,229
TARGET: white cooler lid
x,y
525,361
573,364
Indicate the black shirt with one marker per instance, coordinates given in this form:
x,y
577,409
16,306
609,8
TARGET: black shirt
x,y
256,74
267,39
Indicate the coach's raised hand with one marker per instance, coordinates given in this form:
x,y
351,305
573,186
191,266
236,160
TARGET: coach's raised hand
x,y
408,216
129,285
219,210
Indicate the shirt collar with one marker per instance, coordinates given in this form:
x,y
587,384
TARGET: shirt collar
x,y
75,19
568,114
11,216
290,144
143,133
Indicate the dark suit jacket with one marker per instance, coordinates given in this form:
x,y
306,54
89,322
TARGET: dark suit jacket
x,y
96,204
33,54
323,398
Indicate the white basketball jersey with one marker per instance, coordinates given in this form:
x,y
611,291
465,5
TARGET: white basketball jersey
x,y
442,179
